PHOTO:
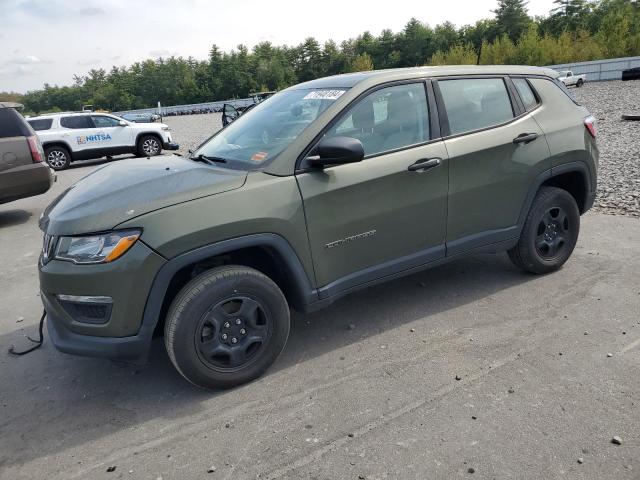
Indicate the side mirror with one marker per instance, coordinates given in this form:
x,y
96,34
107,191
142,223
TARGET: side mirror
x,y
337,151
122,123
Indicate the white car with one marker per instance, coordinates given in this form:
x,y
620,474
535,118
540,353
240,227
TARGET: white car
x,y
79,136
568,78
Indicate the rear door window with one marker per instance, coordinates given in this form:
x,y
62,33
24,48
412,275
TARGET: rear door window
x,y
102,121
526,93
41,124
475,103
77,121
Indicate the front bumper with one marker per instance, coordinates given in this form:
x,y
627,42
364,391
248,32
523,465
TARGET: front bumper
x,y
133,349
170,146
127,281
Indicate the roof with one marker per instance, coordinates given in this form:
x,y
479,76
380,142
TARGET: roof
x,y
68,114
349,80
17,106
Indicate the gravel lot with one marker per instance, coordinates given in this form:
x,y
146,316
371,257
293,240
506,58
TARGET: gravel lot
x,y
619,141
619,176
191,130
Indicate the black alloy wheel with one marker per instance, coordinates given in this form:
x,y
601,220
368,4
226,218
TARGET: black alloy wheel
x,y
552,233
232,333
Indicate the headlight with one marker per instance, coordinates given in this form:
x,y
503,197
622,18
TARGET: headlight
x,y
101,248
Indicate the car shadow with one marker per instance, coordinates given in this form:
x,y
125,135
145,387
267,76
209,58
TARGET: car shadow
x,y
80,400
9,218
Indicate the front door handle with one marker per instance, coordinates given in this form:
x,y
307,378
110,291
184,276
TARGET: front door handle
x,y
525,138
424,164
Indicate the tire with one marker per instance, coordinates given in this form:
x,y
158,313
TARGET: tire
x,y
57,157
580,83
149,146
550,232
226,327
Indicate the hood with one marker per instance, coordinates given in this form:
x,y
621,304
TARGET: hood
x,y
126,189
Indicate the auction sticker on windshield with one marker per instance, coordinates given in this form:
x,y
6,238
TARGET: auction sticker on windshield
x,y
259,156
323,95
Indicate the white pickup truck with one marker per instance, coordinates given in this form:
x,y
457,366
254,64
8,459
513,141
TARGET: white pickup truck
x,y
568,78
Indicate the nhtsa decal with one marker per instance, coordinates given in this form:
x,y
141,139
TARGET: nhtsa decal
x,y
96,137
342,241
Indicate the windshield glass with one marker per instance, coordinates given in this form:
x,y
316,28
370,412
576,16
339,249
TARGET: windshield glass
x,y
259,135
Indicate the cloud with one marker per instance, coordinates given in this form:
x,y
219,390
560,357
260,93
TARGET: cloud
x,y
159,53
90,61
91,11
40,8
15,71
26,60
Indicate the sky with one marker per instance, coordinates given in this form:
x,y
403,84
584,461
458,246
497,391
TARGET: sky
x,y
48,41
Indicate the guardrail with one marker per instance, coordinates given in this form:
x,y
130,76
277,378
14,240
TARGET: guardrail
x,y
600,70
191,108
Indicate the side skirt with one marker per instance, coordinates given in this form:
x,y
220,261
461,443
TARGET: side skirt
x,y
330,293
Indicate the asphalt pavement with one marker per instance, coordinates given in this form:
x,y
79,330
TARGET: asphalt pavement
x,y
469,370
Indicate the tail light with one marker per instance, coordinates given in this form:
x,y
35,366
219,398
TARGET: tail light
x,y
590,124
37,154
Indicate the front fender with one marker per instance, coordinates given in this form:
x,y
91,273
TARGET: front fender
x,y
303,291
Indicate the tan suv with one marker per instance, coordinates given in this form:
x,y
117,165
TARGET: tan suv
x,y
23,173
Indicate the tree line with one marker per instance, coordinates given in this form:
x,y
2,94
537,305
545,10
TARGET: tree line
x,y
575,30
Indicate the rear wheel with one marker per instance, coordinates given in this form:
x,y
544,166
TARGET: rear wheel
x,y
550,232
57,157
226,327
149,146
580,83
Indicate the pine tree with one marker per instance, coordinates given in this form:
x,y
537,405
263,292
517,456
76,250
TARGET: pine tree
x,y
362,63
512,18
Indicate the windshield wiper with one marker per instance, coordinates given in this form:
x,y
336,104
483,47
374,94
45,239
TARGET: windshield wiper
x,y
208,159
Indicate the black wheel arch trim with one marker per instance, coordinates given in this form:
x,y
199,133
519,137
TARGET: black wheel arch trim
x,y
579,166
303,292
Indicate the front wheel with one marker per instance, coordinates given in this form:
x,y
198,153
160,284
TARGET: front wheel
x,y
550,232
226,327
149,146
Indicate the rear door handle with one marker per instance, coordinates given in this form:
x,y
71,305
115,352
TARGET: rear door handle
x,y
525,138
424,164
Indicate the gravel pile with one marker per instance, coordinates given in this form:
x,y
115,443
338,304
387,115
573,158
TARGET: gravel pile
x,y
619,141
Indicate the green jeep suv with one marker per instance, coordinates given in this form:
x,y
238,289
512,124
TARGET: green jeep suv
x,y
327,187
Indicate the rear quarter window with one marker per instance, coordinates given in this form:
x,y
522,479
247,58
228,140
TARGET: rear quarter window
x,y
12,124
41,124
526,93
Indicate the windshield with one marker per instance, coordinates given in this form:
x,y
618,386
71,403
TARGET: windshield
x,y
262,133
